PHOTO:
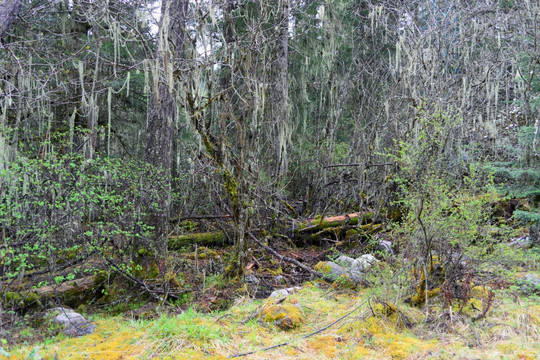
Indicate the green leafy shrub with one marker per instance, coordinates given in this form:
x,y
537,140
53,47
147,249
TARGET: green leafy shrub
x,y
58,210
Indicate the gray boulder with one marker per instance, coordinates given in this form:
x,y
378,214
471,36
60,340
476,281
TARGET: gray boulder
x,y
364,262
521,242
284,292
335,271
345,261
74,323
529,284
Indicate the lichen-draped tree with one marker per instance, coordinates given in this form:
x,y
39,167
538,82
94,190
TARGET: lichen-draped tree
x,y
9,9
280,89
162,111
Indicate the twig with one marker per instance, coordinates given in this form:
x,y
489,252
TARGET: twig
x,y
291,260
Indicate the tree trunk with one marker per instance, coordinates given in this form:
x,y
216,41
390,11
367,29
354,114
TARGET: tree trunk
x,y
162,112
280,112
9,10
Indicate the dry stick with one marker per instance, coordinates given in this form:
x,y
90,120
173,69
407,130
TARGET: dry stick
x,y
304,336
291,260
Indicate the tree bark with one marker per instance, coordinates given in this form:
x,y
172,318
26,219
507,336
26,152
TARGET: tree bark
x,y
9,10
280,112
162,112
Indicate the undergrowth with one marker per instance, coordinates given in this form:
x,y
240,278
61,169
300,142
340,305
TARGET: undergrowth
x,y
383,328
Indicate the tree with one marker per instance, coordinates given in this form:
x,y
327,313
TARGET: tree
x,y
163,111
9,9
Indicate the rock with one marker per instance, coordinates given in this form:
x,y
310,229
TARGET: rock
x,y
522,242
284,292
529,284
335,271
286,316
344,261
386,247
364,262
74,323
280,280
252,279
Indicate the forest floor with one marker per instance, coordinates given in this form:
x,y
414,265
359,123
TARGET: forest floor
x,y
371,327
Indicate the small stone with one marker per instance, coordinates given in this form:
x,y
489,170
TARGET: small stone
x,y
280,280
284,292
252,279
74,323
386,247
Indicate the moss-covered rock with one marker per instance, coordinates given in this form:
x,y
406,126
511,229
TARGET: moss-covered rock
x,y
286,316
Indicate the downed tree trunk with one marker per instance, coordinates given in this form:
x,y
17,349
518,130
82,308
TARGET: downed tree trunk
x,y
69,287
314,225
342,227
201,239
72,293
344,233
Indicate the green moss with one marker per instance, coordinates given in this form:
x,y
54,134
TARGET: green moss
x,y
231,186
22,300
323,267
285,316
344,282
13,298
384,310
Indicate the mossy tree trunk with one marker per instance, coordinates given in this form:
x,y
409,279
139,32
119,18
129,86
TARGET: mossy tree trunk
x,y
9,10
162,112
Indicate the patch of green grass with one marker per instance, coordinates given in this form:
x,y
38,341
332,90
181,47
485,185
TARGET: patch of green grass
x,y
190,325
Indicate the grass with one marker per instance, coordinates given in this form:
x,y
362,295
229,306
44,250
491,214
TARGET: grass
x,y
510,331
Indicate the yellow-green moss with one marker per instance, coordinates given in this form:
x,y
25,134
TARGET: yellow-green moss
x,y
286,316
323,267
231,186
344,282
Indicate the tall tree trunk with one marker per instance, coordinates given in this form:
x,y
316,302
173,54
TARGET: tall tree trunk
x,y
162,112
280,110
9,10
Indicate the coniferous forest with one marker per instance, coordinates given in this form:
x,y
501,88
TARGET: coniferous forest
x,y
289,179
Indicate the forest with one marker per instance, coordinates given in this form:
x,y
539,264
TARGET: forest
x,y
290,179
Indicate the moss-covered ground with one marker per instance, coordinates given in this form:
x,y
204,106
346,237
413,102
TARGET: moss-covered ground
x,y
382,328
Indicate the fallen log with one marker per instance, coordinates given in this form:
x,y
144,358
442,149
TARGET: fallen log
x,y
315,225
73,286
201,239
72,293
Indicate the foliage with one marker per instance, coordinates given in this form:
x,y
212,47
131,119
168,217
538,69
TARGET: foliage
x,y
448,228
63,208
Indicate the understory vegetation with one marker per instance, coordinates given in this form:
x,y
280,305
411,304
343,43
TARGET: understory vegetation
x,y
345,179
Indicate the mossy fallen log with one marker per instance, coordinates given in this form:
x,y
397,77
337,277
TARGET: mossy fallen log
x,y
201,239
72,287
317,224
71,293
